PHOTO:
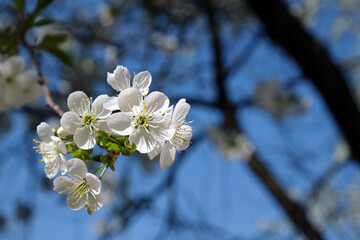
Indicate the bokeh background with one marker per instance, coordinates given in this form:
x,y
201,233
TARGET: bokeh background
x,y
274,91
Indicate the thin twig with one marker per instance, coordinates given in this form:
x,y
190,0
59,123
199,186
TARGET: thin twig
x,y
48,99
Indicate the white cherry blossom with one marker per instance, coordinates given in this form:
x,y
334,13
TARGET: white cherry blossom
x,y
52,149
18,87
83,188
120,80
143,119
180,140
85,118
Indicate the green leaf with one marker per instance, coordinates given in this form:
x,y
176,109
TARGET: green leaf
x,y
61,55
53,40
20,5
42,22
40,6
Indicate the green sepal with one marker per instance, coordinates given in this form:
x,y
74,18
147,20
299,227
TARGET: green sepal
x,y
96,158
114,142
82,154
71,147
110,159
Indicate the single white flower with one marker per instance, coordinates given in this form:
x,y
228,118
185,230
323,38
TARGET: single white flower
x,y
180,140
19,88
82,188
85,118
120,80
143,119
52,149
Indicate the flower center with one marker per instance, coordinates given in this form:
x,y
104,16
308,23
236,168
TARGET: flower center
x,y
88,120
142,121
9,79
82,188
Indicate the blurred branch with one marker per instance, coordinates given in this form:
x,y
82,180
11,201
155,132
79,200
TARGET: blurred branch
x,y
324,180
294,211
49,101
316,64
246,53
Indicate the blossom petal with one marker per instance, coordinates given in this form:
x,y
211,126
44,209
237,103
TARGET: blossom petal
x,y
144,141
162,130
103,126
63,164
76,168
45,132
156,103
142,81
63,184
62,133
95,202
78,101
70,122
26,80
120,123
12,66
85,138
167,156
155,151
129,98
111,104
181,140
60,145
180,111
93,182
98,106
119,79
76,201
52,167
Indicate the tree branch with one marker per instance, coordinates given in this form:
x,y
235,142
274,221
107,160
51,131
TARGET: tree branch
x,y
49,101
316,64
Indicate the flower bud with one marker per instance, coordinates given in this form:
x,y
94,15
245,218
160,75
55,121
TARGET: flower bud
x,y
62,133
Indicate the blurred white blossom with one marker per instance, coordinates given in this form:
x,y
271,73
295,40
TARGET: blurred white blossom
x,y
18,87
232,144
279,102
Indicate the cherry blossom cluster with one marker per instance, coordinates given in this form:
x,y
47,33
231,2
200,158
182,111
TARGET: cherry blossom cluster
x,y
137,118
18,87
